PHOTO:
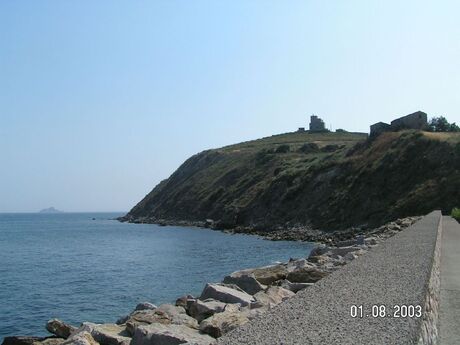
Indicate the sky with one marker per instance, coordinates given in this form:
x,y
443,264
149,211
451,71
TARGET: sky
x,y
101,100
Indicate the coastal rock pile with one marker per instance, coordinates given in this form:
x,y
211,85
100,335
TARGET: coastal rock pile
x,y
221,307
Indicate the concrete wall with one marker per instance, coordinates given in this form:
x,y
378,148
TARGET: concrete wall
x,y
404,270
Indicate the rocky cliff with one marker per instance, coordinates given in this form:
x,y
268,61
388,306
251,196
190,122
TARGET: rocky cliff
x,y
326,181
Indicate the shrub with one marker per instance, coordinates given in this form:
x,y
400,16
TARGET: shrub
x,y
456,213
283,149
309,148
440,124
340,130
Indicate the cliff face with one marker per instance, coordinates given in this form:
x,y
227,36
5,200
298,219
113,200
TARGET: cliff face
x,y
327,181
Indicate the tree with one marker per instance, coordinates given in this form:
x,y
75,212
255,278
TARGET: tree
x,y
440,124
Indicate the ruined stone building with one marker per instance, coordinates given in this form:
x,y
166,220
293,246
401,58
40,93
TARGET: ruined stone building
x,y
316,124
417,120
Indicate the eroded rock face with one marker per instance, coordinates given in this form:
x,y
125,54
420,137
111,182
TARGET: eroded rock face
x,y
246,281
81,338
226,294
106,334
222,323
158,334
306,275
59,328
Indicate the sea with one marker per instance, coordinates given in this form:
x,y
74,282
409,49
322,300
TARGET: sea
x,y
89,267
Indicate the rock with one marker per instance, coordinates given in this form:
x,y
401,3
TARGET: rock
x,y
343,250
222,323
319,250
165,314
251,314
350,257
122,320
372,241
158,334
22,340
300,263
145,306
226,294
81,338
306,275
59,328
146,317
52,341
185,302
294,287
178,315
106,334
246,281
201,310
273,296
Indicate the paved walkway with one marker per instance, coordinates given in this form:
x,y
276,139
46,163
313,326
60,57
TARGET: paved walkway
x,y
450,283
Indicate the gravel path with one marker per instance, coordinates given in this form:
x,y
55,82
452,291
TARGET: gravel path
x,y
394,273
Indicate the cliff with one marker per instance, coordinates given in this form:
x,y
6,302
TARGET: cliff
x,y
325,181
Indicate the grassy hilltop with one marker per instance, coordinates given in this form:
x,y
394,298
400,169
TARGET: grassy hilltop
x,y
328,181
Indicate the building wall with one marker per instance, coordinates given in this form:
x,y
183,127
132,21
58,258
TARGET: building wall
x,y
417,120
316,124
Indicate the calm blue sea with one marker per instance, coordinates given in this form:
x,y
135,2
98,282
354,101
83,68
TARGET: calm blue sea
x,y
74,268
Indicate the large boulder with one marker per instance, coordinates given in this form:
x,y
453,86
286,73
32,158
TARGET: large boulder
x,y
221,323
273,296
178,315
306,275
226,294
165,314
158,334
59,328
106,334
246,281
201,310
267,275
80,338
145,306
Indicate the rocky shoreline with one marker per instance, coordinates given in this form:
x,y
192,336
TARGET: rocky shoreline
x,y
221,307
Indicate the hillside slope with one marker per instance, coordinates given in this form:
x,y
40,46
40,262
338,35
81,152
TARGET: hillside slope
x,y
325,181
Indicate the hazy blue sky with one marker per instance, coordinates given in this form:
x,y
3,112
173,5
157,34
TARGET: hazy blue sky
x,y
100,100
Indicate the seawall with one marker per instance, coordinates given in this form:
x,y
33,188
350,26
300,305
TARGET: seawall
x,y
402,274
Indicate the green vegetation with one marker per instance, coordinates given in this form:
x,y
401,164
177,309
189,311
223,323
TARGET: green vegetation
x,y
440,124
456,213
324,180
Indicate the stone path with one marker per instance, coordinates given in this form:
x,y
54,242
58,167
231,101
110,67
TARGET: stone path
x,y
450,283
394,273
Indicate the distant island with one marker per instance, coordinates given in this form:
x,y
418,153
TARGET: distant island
x,y
50,210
